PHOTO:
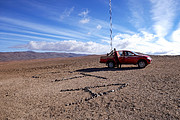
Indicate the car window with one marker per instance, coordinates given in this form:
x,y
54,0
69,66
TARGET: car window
x,y
130,54
120,53
126,53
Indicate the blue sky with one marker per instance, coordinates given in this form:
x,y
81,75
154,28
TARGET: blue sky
x,y
82,26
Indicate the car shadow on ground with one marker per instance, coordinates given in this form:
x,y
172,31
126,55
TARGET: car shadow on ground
x,y
106,69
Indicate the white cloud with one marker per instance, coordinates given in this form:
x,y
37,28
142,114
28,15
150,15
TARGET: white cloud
x,y
176,35
84,21
176,39
84,13
85,18
43,28
68,46
163,13
66,13
14,35
99,27
137,11
59,33
143,42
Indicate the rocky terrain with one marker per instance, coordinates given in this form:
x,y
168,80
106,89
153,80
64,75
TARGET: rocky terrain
x,y
81,88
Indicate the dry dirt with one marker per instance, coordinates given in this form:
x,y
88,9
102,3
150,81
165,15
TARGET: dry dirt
x,y
82,88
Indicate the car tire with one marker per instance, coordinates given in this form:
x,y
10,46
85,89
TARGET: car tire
x,y
142,64
110,64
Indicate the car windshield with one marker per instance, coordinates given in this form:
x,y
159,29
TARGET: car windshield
x,y
135,53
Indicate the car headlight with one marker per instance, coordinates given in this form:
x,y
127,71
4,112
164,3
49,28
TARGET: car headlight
x,y
149,58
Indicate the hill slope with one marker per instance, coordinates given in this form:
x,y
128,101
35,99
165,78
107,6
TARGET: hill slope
x,y
10,56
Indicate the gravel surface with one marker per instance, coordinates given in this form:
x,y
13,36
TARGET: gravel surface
x,y
82,88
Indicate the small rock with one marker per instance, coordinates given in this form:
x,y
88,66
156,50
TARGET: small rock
x,y
104,93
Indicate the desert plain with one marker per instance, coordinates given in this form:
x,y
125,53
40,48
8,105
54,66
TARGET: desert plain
x,y
80,88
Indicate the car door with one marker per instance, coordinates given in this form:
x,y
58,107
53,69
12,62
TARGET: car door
x,y
121,57
130,57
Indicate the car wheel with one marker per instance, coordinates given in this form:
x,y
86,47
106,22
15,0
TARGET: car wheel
x,y
110,64
142,64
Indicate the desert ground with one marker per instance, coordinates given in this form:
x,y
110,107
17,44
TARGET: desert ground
x,y
81,88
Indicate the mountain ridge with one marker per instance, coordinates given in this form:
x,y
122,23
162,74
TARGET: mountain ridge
x,y
29,55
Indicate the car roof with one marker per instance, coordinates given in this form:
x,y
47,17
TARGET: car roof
x,y
124,50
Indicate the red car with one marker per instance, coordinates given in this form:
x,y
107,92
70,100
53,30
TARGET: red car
x,y
116,58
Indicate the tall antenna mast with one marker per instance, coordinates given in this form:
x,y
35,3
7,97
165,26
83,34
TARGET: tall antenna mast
x,y
110,12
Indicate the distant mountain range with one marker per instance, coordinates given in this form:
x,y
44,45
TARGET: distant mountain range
x,y
28,55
